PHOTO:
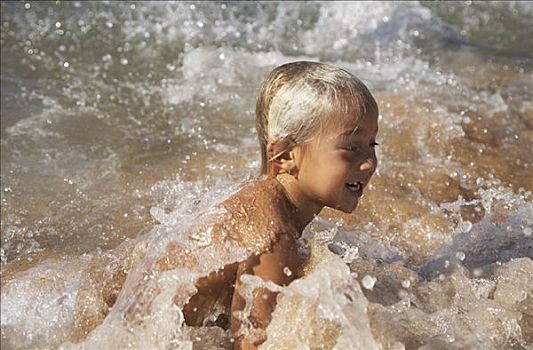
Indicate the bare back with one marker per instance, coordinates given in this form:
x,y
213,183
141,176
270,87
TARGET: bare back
x,y
258,218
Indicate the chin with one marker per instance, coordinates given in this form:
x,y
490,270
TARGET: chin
x,y
348,209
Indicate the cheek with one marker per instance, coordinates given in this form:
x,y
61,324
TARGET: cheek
x,y
338,173
343,165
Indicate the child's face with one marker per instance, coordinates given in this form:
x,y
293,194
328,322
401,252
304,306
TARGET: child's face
x,y
337,166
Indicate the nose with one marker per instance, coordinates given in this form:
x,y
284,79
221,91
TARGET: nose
x,y
368,165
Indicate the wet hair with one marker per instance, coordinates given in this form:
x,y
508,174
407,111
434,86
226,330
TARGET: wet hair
x,y
298,98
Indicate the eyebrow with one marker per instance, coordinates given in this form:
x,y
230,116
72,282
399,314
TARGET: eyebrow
x,y
350,132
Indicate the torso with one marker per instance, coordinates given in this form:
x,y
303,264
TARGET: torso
x,y
258,215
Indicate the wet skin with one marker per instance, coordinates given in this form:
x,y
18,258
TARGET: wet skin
x,y
265,205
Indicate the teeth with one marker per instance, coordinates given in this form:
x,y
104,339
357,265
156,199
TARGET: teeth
x,y
356,185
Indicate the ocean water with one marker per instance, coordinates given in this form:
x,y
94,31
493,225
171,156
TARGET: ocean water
x,y
122,122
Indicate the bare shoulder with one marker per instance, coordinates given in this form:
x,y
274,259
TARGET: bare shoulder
x,y
258,214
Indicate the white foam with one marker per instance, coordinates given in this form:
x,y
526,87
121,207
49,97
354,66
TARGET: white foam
x,y
39,305
327,301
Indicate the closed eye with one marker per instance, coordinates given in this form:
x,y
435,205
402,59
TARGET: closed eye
x,y
374,144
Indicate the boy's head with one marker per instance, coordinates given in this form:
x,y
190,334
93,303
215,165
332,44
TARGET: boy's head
x,y
301,100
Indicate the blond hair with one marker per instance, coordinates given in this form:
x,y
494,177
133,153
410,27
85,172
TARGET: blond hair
x,y
298,98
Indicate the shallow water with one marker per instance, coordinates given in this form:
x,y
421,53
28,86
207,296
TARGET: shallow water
x,y
118,118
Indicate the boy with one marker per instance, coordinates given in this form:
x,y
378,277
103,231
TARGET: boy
x,y
317,126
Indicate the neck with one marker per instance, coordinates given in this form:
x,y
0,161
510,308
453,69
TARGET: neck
x,y
304,210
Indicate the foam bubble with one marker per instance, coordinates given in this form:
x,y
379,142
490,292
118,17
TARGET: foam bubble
x,y
368,281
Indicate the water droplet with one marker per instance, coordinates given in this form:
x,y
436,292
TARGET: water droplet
x,y
221,56
406,284
109,24
527,231
66,64
58,24
460,255
123,61
368,282
27,6
287,271
200,24
465,226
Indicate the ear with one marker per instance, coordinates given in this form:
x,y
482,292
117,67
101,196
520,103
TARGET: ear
x,y
281,158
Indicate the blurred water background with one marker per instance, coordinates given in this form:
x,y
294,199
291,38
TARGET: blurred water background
x,y
116,117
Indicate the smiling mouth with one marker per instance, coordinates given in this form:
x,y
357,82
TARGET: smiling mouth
x,y
356,188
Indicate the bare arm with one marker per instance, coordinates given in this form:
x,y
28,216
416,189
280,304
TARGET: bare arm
x,y
278,266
